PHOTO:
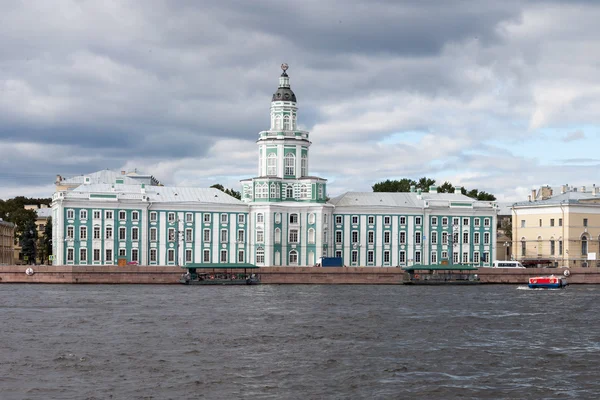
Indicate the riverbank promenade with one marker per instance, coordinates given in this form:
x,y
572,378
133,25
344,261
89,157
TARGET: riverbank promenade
x,y
269,275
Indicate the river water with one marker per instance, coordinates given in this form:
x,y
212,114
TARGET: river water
x,y
298,342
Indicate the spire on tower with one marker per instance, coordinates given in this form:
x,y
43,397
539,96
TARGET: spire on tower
x,y
284,93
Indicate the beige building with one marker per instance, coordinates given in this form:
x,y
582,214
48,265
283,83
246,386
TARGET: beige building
x,y
558,227
7,240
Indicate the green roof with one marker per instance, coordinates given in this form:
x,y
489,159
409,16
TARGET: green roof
x,y
220,265
440,268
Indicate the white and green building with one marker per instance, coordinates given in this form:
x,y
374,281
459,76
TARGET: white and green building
x,y
284,217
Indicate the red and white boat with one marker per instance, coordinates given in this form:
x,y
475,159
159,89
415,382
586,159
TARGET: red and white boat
x,y
547,282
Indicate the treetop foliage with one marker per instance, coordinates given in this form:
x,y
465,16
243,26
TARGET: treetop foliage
x,y
404,185
231,192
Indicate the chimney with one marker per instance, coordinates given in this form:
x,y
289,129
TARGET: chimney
x,y
412,188
529,198
546,192
563,189
122,172
58,179
583,189
533,194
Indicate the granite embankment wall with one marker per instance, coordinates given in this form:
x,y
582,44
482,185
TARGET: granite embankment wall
x,y
268,275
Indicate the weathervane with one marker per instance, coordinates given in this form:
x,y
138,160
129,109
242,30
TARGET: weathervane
x,y
284,67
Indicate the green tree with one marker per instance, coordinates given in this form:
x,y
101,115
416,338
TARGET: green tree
x,y
403,185
231,192
28,241
447,187
45,242
424,184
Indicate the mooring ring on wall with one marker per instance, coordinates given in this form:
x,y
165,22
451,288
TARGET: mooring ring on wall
x,y
567,272
29,271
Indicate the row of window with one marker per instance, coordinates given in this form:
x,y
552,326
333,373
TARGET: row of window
x,y
289,165
387,220
108,255
96,233
584,247
171,234
467,258
304,191
354,236
135,216
560,222
288,124
293,218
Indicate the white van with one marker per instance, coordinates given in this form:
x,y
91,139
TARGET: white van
x,y
507,264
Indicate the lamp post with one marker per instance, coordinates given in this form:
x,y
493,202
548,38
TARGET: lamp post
x,y
31,232
507,251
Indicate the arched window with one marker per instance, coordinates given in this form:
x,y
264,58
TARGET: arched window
x,y
260,218
265,190
278,191
272,164
303,191
290,164
293,260
584,246
293,121
273,190
286,123
289,192
277,122
311,236
304,169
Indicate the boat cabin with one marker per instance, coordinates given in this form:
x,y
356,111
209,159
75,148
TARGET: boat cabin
x,y
439,275
220,274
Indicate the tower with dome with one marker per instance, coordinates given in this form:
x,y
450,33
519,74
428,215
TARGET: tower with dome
x,y
289,214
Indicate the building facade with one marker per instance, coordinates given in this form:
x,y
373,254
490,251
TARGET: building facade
x,y
284,217
560,229
7,241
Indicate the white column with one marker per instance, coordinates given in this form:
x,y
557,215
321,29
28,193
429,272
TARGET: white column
x,y
280,160
363,240
410,240
163,237
379,240
198,237
298,161
144,242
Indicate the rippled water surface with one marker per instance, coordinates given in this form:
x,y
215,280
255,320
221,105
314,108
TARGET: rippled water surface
x,y
298,342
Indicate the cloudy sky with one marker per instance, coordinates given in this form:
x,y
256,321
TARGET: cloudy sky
x,y
499,96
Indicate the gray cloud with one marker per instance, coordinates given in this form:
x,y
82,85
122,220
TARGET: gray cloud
x,y
174,87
